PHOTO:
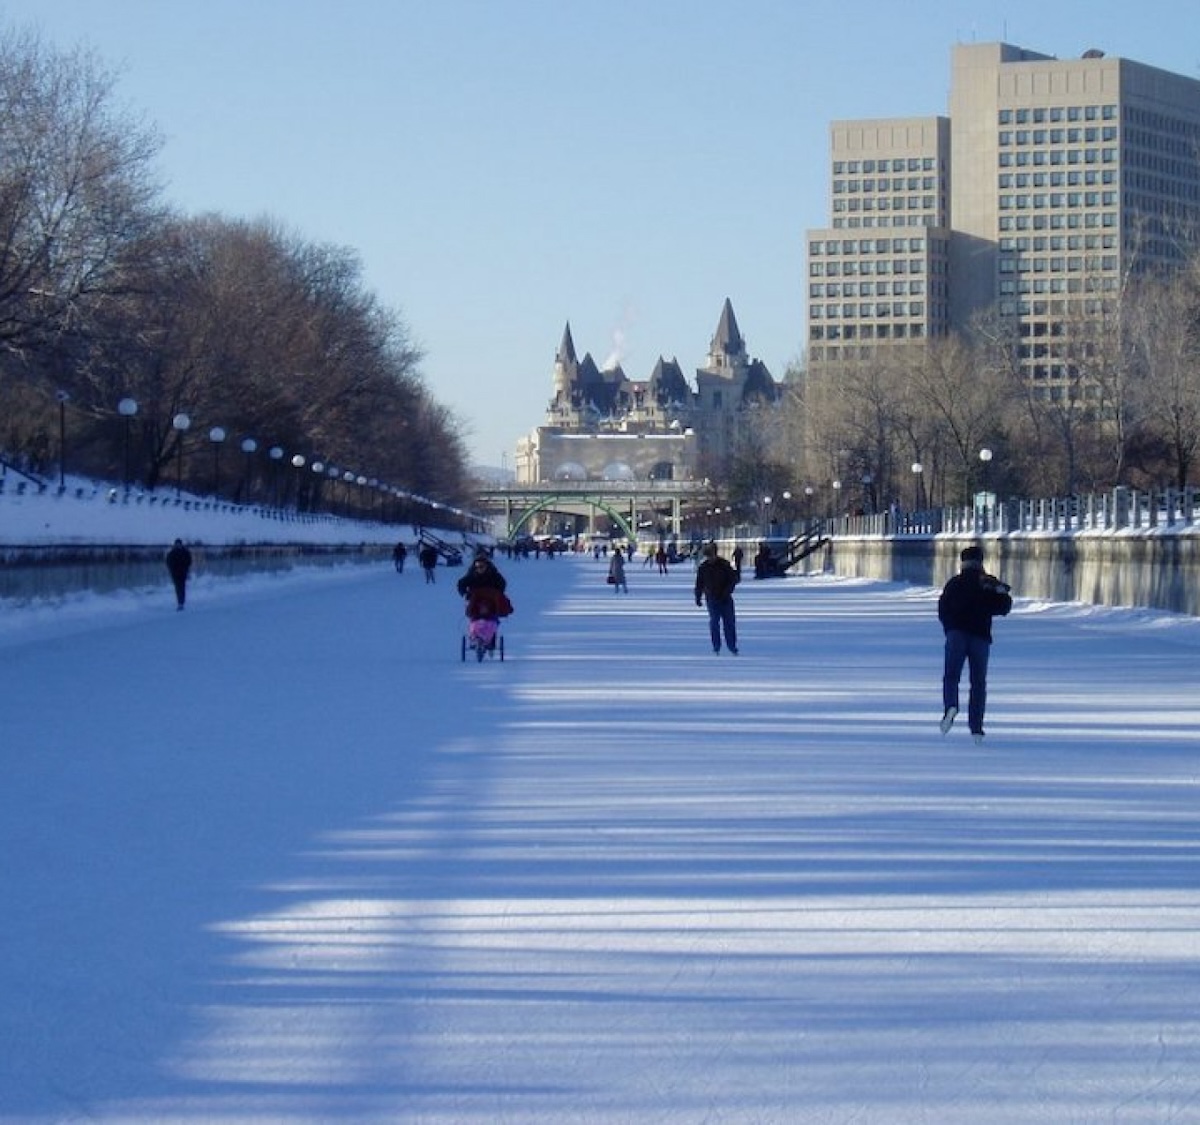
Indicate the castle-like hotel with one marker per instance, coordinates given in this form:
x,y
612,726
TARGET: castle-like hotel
x,y
602,425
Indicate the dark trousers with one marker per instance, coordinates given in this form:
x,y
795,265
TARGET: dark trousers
x,y
721,616
180,583
963,648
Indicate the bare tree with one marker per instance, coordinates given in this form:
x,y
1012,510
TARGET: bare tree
x,y
1164,331
75,188
961,398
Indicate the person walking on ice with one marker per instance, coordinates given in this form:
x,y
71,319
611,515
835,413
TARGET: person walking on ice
x,y
616,572
427,556
967,604
179,565
715,580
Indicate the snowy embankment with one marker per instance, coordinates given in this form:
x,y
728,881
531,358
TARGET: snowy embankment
x,y
87,513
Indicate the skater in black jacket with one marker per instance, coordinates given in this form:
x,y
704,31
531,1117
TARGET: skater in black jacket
x,y
966,607
715,582
179,564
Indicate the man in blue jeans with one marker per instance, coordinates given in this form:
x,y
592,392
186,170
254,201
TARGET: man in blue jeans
x,y
966,607
715,580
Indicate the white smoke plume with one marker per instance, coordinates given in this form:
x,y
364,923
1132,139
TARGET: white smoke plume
x,y
618,352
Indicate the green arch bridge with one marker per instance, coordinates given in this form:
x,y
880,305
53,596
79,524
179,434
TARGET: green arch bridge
x,y
622,501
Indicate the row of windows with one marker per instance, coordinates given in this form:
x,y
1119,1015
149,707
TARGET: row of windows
x,y
1058,220
1070,263
887,203
838,332
849,268
1091,135
1037,114
1159,122
868,289
1060,242
875,310
1058,285
834,246
1039,200
866,309
1058,308
1183,147
1040,158
893,219
906,164
1088,177
913,183
1158,188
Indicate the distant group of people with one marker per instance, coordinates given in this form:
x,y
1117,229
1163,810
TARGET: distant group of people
x,y
427,557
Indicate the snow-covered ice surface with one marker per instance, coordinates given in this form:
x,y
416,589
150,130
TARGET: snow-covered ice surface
x,y
283,857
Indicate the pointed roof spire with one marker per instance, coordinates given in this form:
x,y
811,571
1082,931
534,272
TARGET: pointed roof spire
x,y
566,350
728,340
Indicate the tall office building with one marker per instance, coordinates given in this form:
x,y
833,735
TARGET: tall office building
x,y
878,273
1050,182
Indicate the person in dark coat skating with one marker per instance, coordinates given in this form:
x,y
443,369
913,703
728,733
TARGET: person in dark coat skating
x,y
715,582
428,557
179,565
966,607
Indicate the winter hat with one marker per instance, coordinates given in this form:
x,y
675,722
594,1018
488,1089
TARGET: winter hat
x,y
972,557
710,550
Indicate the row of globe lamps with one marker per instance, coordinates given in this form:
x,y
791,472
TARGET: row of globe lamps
x,y
917,469
985,458
127,408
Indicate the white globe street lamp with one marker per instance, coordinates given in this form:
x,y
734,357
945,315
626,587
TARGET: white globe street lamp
x,y
985,455
180,424
217,436
127,408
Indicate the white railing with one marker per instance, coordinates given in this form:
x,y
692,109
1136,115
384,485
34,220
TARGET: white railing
x,y
1122,509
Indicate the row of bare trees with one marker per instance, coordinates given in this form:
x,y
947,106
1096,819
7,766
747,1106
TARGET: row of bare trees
x,y
106,295
935,423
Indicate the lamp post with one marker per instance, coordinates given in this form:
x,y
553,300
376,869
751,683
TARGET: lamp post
x,y
127,408
298,465
63,398
985,456
249,448
334,474
180,424
217,436
318,468
766,508
276,455
917,470
808,495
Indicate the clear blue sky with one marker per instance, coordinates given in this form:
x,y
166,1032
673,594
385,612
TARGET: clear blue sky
x,y
505,166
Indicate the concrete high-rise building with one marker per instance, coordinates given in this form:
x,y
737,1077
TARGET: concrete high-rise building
x,y
877,274
1049,183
